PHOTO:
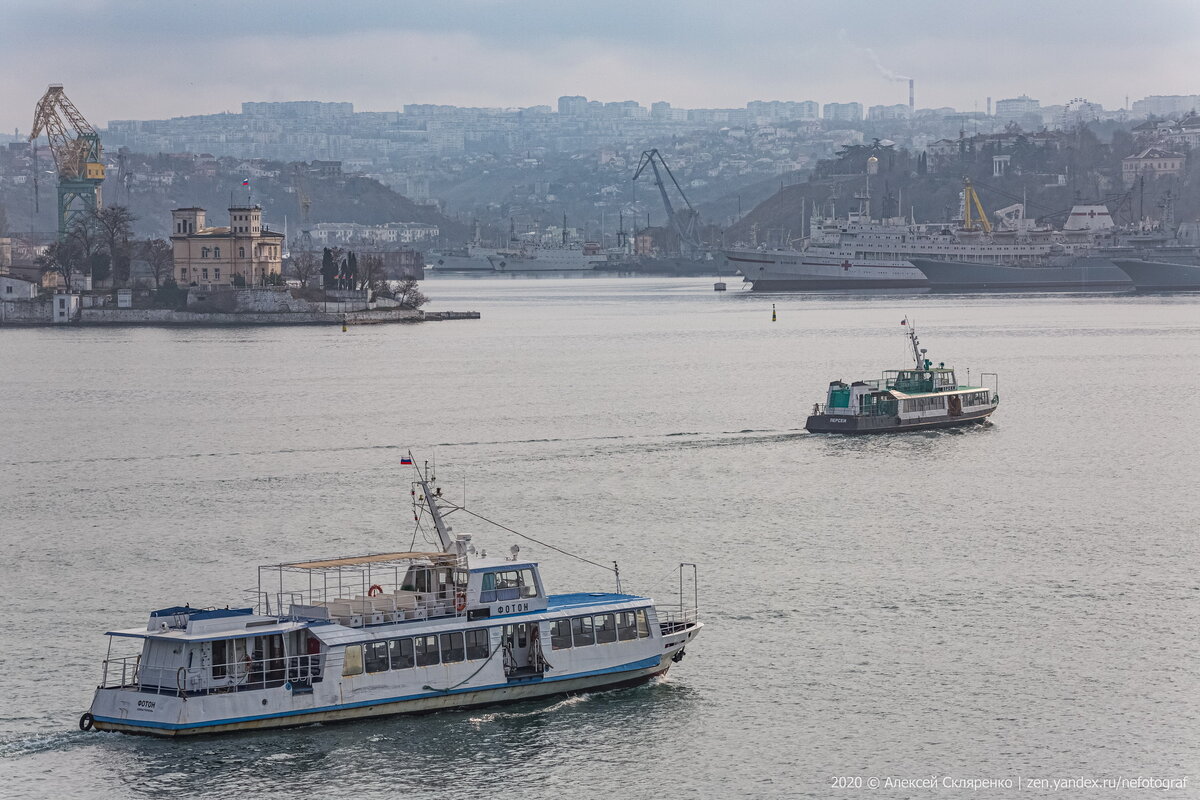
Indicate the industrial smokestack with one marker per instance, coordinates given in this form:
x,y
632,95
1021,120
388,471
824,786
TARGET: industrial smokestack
x,y
911,100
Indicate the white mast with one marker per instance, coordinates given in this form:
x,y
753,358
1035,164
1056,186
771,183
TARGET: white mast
x,y
449,542
916,344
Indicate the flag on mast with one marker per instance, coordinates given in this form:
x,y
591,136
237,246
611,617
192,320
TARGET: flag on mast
x,y
245,181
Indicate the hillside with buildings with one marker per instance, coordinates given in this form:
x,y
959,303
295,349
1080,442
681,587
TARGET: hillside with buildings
x,y
1140,173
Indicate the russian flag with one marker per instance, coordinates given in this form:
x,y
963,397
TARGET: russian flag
x,y
405,461
245,181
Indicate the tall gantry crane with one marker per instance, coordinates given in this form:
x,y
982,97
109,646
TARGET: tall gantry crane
x,y
305,243
76,149
685,222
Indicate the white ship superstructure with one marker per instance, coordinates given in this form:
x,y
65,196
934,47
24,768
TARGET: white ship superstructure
x,y
534,257
387,633
860,252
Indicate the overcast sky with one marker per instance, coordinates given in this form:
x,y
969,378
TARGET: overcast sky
x,y
130,59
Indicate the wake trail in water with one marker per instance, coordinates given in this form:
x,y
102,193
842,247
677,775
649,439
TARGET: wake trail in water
x,y
370,448
573,700
28,745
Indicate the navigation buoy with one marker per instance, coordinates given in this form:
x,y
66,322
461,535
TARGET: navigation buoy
x,y
772,312
343,324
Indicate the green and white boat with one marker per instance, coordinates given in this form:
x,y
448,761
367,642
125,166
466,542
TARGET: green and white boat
x,y
921,397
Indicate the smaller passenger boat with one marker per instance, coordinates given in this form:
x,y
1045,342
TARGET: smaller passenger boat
x,y
357,636
922,397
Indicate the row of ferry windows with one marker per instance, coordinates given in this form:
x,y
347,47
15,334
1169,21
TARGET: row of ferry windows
x,y
472,645
927,403
599,629
417,651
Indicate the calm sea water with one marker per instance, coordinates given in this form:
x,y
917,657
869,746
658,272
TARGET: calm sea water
x,y
1014,600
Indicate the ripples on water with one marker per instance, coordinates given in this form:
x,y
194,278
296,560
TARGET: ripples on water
x,y
1010,598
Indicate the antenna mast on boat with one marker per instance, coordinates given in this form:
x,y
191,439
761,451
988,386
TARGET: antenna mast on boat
x,y
448,542
916,343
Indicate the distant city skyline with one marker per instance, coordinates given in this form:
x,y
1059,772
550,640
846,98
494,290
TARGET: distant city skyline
x,y
122,60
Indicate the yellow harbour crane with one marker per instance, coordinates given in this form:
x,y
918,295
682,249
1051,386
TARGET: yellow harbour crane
x,y
971,198
77,155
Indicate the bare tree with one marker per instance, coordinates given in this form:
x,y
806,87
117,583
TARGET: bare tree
x,y
370,271
304,266
115,227
60,258
409,295
159,256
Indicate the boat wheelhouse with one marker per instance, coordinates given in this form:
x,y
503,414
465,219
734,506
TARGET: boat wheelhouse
x,y
923,396
381,634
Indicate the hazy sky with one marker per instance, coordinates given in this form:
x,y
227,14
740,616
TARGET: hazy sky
x,y
162,58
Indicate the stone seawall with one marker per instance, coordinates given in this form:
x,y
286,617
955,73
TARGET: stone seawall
x,y
163,316
27,312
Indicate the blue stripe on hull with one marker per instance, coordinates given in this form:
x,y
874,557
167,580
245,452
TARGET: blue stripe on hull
x,y
633,666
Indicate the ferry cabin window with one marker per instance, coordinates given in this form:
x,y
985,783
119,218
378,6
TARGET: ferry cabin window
x,y
606,628
560,634
643,624
452,648
487,589
401,652
417,580
376,656
426,650
220,661
528,585
353,665
581,631
626,626
477,644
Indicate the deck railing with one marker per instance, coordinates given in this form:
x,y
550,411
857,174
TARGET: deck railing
x,y
126,667
235,676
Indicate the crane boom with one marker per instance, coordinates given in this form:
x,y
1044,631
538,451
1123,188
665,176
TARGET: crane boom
x,y
687,234
77,153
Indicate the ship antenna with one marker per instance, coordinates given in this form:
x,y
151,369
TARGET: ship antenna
x,y
916,344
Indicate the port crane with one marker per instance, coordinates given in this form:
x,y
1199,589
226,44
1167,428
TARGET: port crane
x,y
305,201
75,146
685,222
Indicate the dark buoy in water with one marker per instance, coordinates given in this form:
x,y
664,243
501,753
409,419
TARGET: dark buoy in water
x,y
719,286
772,312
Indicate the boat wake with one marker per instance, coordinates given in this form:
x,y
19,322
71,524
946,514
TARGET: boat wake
x,y
568,702
19,746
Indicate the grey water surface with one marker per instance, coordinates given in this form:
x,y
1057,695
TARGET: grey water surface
x,y
1019,599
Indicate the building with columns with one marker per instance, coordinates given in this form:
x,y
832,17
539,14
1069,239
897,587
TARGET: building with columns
x,y
213,256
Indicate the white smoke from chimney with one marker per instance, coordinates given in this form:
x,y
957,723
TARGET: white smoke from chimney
x,y
884,71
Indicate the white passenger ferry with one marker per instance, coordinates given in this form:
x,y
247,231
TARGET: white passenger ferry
x,y
388,633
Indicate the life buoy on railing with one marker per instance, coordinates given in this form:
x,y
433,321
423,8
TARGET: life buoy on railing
x,y
375,590
460,601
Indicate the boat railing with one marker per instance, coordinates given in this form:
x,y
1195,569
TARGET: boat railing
x,y
298,672
120,672
887,408
686,612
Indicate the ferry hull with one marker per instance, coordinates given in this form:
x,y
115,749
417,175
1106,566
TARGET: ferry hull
x,y
457,700
1082,274
846,423
1161,276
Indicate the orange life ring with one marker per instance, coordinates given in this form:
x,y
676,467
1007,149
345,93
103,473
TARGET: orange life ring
x,y
461,601
375,590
